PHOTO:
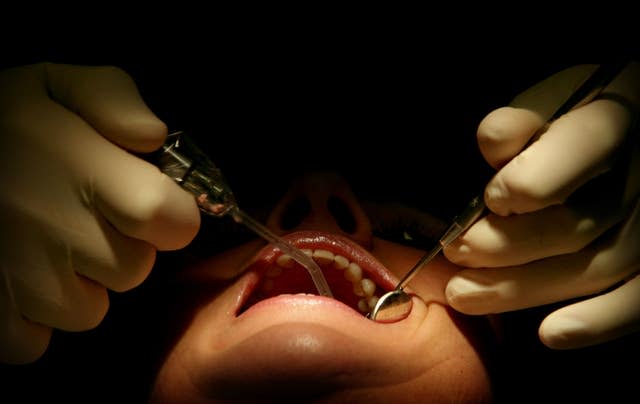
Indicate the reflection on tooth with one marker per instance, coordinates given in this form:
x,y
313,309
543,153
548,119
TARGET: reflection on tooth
x,y
371,302
353,273
368,286
267,285
357,290
274,272
307,251
285,261
340,262
363,306
323,257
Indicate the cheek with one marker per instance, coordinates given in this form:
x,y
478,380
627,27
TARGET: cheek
x,y
173,384
431,281
456,359
174,381
224,266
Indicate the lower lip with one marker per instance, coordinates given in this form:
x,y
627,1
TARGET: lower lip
x,y
310,305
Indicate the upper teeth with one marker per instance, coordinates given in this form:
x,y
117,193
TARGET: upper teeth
x,y
353,273
340,262
323,257
362,287
285,261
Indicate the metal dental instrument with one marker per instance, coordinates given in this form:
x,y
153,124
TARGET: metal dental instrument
x,y
396,304
187,165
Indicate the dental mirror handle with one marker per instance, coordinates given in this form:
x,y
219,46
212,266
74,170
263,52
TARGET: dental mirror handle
x,y
460,223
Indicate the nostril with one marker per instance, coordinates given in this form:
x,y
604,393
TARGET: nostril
x,y
295,212
342,214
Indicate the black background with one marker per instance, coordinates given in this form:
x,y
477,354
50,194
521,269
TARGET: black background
x,y
394,109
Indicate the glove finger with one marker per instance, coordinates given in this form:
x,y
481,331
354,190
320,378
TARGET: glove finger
x,y
496,241
58,296
596,320
108,99
22,341
62,272
546,173
40,260
132,194
591,270
504,132
142,202
101,253
56,238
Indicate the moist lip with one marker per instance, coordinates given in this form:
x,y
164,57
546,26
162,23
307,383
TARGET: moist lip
x,y
356,278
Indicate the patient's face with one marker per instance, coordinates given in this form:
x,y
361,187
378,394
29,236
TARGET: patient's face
x,y
254,330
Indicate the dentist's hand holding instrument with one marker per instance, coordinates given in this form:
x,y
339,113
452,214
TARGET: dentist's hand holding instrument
x,y
396,304
80,213
187,165
565,213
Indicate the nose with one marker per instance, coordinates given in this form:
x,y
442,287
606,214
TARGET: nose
x,y
322,201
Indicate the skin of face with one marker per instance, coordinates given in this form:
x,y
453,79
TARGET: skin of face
x,y
309,348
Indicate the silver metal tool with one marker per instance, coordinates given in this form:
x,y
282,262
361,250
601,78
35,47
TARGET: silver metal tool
x,y
397,304
187,165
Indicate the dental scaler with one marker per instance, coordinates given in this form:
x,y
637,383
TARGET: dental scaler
x,y
187,165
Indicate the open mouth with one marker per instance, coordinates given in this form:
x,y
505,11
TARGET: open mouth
x,y
355,277
265,334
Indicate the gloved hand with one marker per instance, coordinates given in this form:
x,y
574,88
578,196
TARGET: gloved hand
x,y
80,214
565,213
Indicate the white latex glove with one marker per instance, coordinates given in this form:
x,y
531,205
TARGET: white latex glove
x,y
565,213
80,214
